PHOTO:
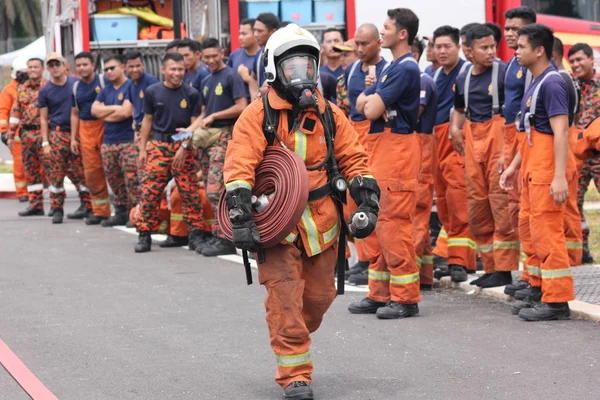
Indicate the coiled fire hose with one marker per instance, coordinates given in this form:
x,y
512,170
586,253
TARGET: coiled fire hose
x,y
279,198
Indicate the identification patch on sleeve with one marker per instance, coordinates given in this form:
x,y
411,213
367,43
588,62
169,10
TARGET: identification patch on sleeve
x,y
423,94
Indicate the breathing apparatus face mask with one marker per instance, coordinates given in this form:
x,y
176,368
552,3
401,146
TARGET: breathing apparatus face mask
x,y
298,77
21,76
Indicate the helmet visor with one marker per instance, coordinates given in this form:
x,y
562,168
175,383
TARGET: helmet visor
x,y
297,69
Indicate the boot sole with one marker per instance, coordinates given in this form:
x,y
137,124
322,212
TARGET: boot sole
x,y
519,297
300,396
76,216
142,251
516,311
553,318
57,222
397,316
218,254
362,310
32,215
170,246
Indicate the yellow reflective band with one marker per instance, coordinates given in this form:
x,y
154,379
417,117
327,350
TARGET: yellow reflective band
x,y
485,248
20,184
176,217
379,275
461,242
443,233
534,271
574,245
523,257
291,237
211,221
556,273
419,261
332,233
237,185
311,231
293,361
427,260
404,279
162,228
98,202
300,145
507,245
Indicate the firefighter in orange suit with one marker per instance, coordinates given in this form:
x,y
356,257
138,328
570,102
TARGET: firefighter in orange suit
x,y
392,104
299,272
7,98
546,171
479,97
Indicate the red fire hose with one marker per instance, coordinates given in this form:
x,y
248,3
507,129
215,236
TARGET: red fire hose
x,y
283,177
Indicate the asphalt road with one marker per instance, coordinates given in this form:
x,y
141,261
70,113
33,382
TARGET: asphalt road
x,y
93,320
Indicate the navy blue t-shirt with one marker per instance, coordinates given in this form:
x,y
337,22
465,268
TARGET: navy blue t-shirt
x,y
195,80
445,86
240,57
339,71
117,132
171,108
53,96
514,89
428,100
86,95
553,100
355,85
137,95
219,92
430,71
480,93
259,68
399,88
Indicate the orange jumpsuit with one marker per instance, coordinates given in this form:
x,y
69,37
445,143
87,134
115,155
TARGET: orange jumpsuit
x,y
298,274
7,98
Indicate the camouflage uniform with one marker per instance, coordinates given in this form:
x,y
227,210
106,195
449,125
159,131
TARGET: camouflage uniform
x,y
25,113
589,109
342,98
120,166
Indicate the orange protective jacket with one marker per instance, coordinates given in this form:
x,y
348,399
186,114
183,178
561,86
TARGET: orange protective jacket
x,y
320,223
7,99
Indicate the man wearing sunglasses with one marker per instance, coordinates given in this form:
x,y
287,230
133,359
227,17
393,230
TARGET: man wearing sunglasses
x,y
119,153
55,124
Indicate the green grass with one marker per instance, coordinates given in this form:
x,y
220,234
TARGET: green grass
x,y
5,169
592,194
593,219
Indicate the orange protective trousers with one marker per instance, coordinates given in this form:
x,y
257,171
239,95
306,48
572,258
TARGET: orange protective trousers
x,y
300,290
395,163
451,200
91,134
19,169
487,202
541,221
424,194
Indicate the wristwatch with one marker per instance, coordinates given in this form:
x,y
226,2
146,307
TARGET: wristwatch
x,y
44,144
185,145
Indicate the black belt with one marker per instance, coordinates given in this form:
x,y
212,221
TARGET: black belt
x,y
320,192
163,137
138,127
30,127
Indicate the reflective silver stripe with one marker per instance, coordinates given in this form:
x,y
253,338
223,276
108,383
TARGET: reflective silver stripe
x,y
534,271
83,188
427,260
499,245
312,232
574,245
443,233
35,187
162,228
55,189
331,234
237,185
462,242
99,202
495,95
300,144
485,248
404,279
168,190
21,184
293,361
523,257
556,273
291,237
14,120
177,217
379,275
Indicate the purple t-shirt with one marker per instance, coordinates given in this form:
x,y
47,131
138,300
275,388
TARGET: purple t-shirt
x,y
355,85
171,108
514,88
240,57
137,95
553,100
339,71
195,80
117,132
480,93
53,96
446,86
429,100
220,90
86,95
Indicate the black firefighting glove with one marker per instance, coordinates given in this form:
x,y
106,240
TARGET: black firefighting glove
x,y
245,232
365,193
4,138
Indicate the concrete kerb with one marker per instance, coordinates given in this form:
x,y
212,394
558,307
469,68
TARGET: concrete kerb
x,y
579,309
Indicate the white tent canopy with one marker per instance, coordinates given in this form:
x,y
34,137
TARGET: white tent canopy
x,y
34,49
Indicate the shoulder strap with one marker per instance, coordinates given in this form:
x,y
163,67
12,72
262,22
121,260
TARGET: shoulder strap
x,y
352,69
464,67
408,59
528,80
530,114
568,78
270,121
437,74
467,86
102,82
329,119
495,94
75,85
512,60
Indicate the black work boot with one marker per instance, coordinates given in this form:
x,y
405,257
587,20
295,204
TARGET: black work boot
x,y
357,268
197,238
298,390
94,220
365,306
144,243
23,199
31,211
440,267
586,256
497,279
523,293
362,278
546,312
57,217
219,247
394,310
458,273
174,241
515,287
120,218
535,296
51,212
80,213
480,280
201,241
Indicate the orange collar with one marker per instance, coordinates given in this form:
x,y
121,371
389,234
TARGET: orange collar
x,y
277,103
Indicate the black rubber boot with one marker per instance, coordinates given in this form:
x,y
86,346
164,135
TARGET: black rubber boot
x,y
94,220
394,310
120,218
80,213
23,199
51,212
219,247
586,256
426,287
30,212
546,312
174,241
203,239
440,267
522,294
362,278
357,268
515,287
365,306
480,280
144,243
458,273
535,296
298,390
496,280
57,217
